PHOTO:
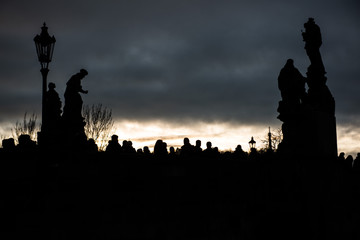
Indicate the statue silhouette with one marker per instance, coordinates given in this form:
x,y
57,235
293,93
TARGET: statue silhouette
x,y
313,41
72,117
311,36
310,113
51,129
52,108
291,84
73,100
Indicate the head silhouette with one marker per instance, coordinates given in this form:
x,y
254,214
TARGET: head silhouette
x,y
239,148
82,73
146,149
51,86
290,63
310,21
172,150
114,138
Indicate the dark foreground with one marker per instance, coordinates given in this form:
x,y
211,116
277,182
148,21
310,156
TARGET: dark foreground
x,y
99,196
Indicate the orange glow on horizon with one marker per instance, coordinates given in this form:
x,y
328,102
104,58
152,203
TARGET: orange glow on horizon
x,y
225,136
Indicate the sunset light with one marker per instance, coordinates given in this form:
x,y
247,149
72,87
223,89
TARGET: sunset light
x,y
180,119
225,136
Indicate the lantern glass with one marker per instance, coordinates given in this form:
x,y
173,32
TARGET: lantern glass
x,y
252,143
44,47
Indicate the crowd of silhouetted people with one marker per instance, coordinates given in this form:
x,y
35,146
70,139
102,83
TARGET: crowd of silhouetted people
x,y
161,151
127,192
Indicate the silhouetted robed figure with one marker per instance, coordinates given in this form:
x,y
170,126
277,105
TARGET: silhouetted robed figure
x,y
51,128
313,42
72,117
52,108
292,86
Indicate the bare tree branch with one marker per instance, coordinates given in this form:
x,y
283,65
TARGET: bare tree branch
x,y
99,123
28,127
276,138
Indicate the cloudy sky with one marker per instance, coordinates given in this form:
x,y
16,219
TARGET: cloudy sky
x,y
204,69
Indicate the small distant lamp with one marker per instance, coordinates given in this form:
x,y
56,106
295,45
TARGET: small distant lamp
x,y
44,49
252,143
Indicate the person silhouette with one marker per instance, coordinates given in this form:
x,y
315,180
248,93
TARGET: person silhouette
x,y
8,144
341,157
147,153
349,162
128,148
208,146
187,149
239,153
209,152
160,149
356,163
198,149
91,146
172,153
114,145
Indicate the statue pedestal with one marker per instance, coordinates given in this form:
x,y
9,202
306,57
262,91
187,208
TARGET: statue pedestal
x,y
50,140
74,136
294,128
323,134
309,133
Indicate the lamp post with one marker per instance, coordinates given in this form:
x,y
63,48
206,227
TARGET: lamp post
x,y
252,143
44,49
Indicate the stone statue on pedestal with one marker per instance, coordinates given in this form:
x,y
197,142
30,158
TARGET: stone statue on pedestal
x,y
73,122
292,87
51,128
309,124
53,108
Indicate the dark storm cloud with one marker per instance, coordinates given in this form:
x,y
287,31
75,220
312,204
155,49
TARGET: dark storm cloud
x,y
177,60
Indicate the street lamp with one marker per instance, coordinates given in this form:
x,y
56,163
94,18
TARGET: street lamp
x,y
252,143
44,49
